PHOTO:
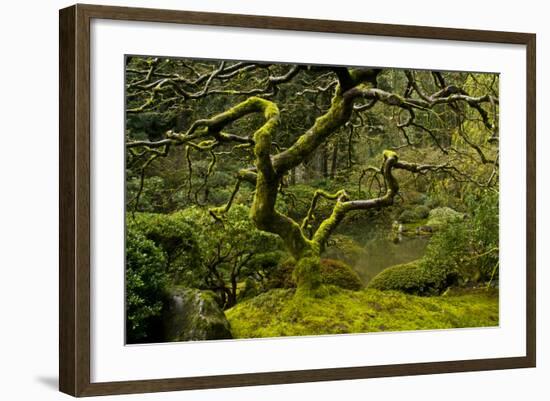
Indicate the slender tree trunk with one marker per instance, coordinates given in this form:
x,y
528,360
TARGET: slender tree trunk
x,y
334,164
232,299
324,161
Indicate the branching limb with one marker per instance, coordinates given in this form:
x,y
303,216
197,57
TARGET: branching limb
x,y
224,209
318,194
344,206
375,172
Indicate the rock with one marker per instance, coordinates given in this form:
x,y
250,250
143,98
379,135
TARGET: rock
x,y
192,315
441,216
424,230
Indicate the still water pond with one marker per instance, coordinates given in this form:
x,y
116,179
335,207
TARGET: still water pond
x,y
381,252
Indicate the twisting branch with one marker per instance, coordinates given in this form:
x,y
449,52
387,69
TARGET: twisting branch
x,y
375,172
224,209
452,93
209,171
343,205
272,163
477,148
155,154
318,194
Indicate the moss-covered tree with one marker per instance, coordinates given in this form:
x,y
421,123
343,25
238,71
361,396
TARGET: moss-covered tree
x,y
258,113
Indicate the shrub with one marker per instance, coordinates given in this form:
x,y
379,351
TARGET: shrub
x,y
449,250
469,248
145,283
150,198
175,234
441,216
415,198
419,212
485,238
231,249
422,211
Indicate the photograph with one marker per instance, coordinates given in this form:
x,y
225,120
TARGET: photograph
x,y
266,199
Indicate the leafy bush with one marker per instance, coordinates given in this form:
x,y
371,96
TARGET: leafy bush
x,y
415,198
469,247
432,202
231,248
204,252
441,216
485,234
419,212
151,197
175,234
422,211
448,251
145,283
281,275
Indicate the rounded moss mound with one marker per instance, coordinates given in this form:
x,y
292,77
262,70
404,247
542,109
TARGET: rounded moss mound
x,y
282,312
335,272
332,272
281,275
412,278
419,212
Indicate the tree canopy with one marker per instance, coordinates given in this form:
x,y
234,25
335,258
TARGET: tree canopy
x,y
218,133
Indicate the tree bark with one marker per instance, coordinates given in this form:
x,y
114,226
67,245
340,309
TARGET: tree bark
x,y
334,161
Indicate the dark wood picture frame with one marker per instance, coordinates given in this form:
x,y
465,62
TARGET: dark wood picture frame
x,y
74,202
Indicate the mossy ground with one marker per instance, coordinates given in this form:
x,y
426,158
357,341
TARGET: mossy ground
x,y
280,313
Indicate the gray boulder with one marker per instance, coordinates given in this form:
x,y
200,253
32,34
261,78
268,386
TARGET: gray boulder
x,y
193,315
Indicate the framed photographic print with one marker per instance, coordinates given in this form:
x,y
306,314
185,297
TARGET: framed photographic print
x,y
250,200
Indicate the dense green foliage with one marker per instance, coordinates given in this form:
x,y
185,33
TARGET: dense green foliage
x,y
463,252
176,236
145,283
468,248
209,253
